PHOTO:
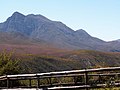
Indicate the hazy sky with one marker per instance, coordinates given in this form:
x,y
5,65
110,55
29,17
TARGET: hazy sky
x,y
100,18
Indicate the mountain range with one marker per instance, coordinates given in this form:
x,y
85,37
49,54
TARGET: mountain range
x,y
37,30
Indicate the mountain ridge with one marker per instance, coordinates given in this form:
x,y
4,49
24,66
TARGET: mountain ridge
x,y
40,28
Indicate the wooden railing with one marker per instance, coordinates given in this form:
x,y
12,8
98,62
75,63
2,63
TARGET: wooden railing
x,y
86,78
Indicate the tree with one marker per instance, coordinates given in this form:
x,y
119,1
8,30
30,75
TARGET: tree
x,y
8,64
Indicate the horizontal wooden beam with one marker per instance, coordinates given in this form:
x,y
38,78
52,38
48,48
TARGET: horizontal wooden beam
x,y
62,73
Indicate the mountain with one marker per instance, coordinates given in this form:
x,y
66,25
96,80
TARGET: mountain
x,y
115,45
39,29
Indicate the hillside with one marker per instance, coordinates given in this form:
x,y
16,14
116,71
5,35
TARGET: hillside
x,y
70,61
59,61
90,59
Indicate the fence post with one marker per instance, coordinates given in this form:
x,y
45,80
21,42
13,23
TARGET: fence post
x,y
86,79
99,78
29,82
38,82
75,80
50,81
7,82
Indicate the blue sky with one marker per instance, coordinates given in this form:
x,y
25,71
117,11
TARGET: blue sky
x,y
100,18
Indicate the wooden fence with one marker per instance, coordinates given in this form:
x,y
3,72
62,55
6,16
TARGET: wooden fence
x,y
86,78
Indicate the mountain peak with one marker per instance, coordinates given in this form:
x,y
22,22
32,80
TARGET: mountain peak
x,y
38,16
118,40
82,32
17,14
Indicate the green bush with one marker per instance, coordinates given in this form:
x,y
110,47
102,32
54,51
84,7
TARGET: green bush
x,y
8,64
